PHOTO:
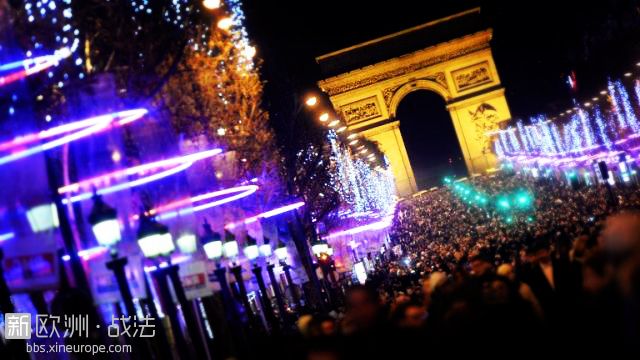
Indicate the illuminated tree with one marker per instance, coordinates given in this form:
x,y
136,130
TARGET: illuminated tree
x,y
216,92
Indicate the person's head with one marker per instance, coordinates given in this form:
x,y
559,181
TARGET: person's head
x,y
621,234
562,243
597,273
320,326
481,263
303,324
496,291
324,349
400,299
363,307
410,315
539,250
580,246
506,270
328,327
430,284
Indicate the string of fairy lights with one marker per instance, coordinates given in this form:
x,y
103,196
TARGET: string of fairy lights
x,y
360,147
360,171
57,35
56,16
362,188
605,123
229,18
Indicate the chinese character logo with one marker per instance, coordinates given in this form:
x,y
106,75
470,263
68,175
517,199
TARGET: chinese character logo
x,y
17,326
131,328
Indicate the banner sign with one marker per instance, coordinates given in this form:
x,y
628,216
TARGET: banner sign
x,y
195,279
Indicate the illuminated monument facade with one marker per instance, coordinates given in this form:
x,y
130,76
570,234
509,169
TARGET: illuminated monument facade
x,y
449,56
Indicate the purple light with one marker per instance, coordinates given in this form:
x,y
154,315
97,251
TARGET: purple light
x,y
7,236
280,210
128,184
266,214
175,261
176,164
378,225
82,129
184,206
90,253
87,254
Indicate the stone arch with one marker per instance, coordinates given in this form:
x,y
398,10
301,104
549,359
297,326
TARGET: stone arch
x,y
410,87
449,56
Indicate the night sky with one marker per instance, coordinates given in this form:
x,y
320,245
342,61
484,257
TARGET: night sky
x,y
536,45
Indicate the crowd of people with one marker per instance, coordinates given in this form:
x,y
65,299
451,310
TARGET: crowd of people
x,y
565,275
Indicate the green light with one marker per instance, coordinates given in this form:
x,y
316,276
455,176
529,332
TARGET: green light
x,y
524,200
504,204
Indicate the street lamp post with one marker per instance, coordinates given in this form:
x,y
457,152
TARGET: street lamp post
x,y
212,245
230,251
163,350
187,311
251,251
156,241
213,248
164,295
276,291
106,229
282,254
323,252
265,251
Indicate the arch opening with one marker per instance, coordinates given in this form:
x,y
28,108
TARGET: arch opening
x,y
430,138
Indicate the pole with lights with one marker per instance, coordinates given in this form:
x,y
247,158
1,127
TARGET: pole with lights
x,y
106,229
231,251
266,252
252,252
323,252
212,245
156,242
282,254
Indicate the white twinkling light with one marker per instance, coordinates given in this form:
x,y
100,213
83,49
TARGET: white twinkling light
x,y
362,187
